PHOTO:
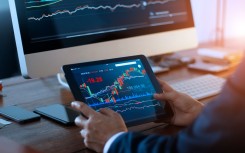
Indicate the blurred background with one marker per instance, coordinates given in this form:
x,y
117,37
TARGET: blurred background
x,y
219,22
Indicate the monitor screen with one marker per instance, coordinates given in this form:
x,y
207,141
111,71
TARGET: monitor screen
x,y
49,25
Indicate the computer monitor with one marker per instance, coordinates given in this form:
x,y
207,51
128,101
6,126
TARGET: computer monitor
x,y
51,33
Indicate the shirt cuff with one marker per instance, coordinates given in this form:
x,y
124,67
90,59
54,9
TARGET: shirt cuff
x,y
110,141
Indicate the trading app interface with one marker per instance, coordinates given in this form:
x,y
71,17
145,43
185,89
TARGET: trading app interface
x,y
62,19
123,87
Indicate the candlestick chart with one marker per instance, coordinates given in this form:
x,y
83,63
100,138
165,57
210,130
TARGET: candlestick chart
x,y
126,90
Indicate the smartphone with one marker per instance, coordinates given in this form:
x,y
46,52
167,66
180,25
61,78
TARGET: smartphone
x,y
18,114
59,113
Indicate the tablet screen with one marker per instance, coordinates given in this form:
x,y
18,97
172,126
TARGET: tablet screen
x,y
123,86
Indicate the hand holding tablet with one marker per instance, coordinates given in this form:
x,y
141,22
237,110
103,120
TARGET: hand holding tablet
x,y
125,85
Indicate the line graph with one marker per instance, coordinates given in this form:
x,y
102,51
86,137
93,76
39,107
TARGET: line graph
x,y
134,105
41,3
125,98
100,7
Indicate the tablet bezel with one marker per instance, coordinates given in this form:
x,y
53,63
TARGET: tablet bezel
x,y
78,96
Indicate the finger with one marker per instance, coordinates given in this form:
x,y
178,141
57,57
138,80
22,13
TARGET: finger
x,y
83,133
83,108
164,96
80,121
165,87
106,111
169,98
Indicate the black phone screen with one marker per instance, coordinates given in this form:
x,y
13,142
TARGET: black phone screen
x,y
18,114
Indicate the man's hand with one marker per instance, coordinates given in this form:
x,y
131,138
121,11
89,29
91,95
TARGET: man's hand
x,y
98,127
185,108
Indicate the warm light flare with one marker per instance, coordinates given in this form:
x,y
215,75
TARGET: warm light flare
x,y
236,28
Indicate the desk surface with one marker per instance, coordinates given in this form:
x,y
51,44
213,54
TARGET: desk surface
x,y
48,136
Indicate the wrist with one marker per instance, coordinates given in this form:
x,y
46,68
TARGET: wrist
x,y
199,108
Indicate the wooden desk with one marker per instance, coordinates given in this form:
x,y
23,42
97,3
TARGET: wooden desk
x,y
50,137
9,146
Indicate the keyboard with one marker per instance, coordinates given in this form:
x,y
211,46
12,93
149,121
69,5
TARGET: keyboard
x,y
200,87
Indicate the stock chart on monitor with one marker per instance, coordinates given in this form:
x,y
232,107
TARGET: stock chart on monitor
x,y
60,19
123,87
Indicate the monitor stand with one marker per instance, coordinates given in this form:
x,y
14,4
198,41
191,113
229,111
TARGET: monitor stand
x,y
155,68
62,80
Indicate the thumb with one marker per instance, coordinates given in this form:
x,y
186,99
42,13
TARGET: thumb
x,y
165,86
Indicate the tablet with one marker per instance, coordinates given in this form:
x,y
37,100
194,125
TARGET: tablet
x,y
125,85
